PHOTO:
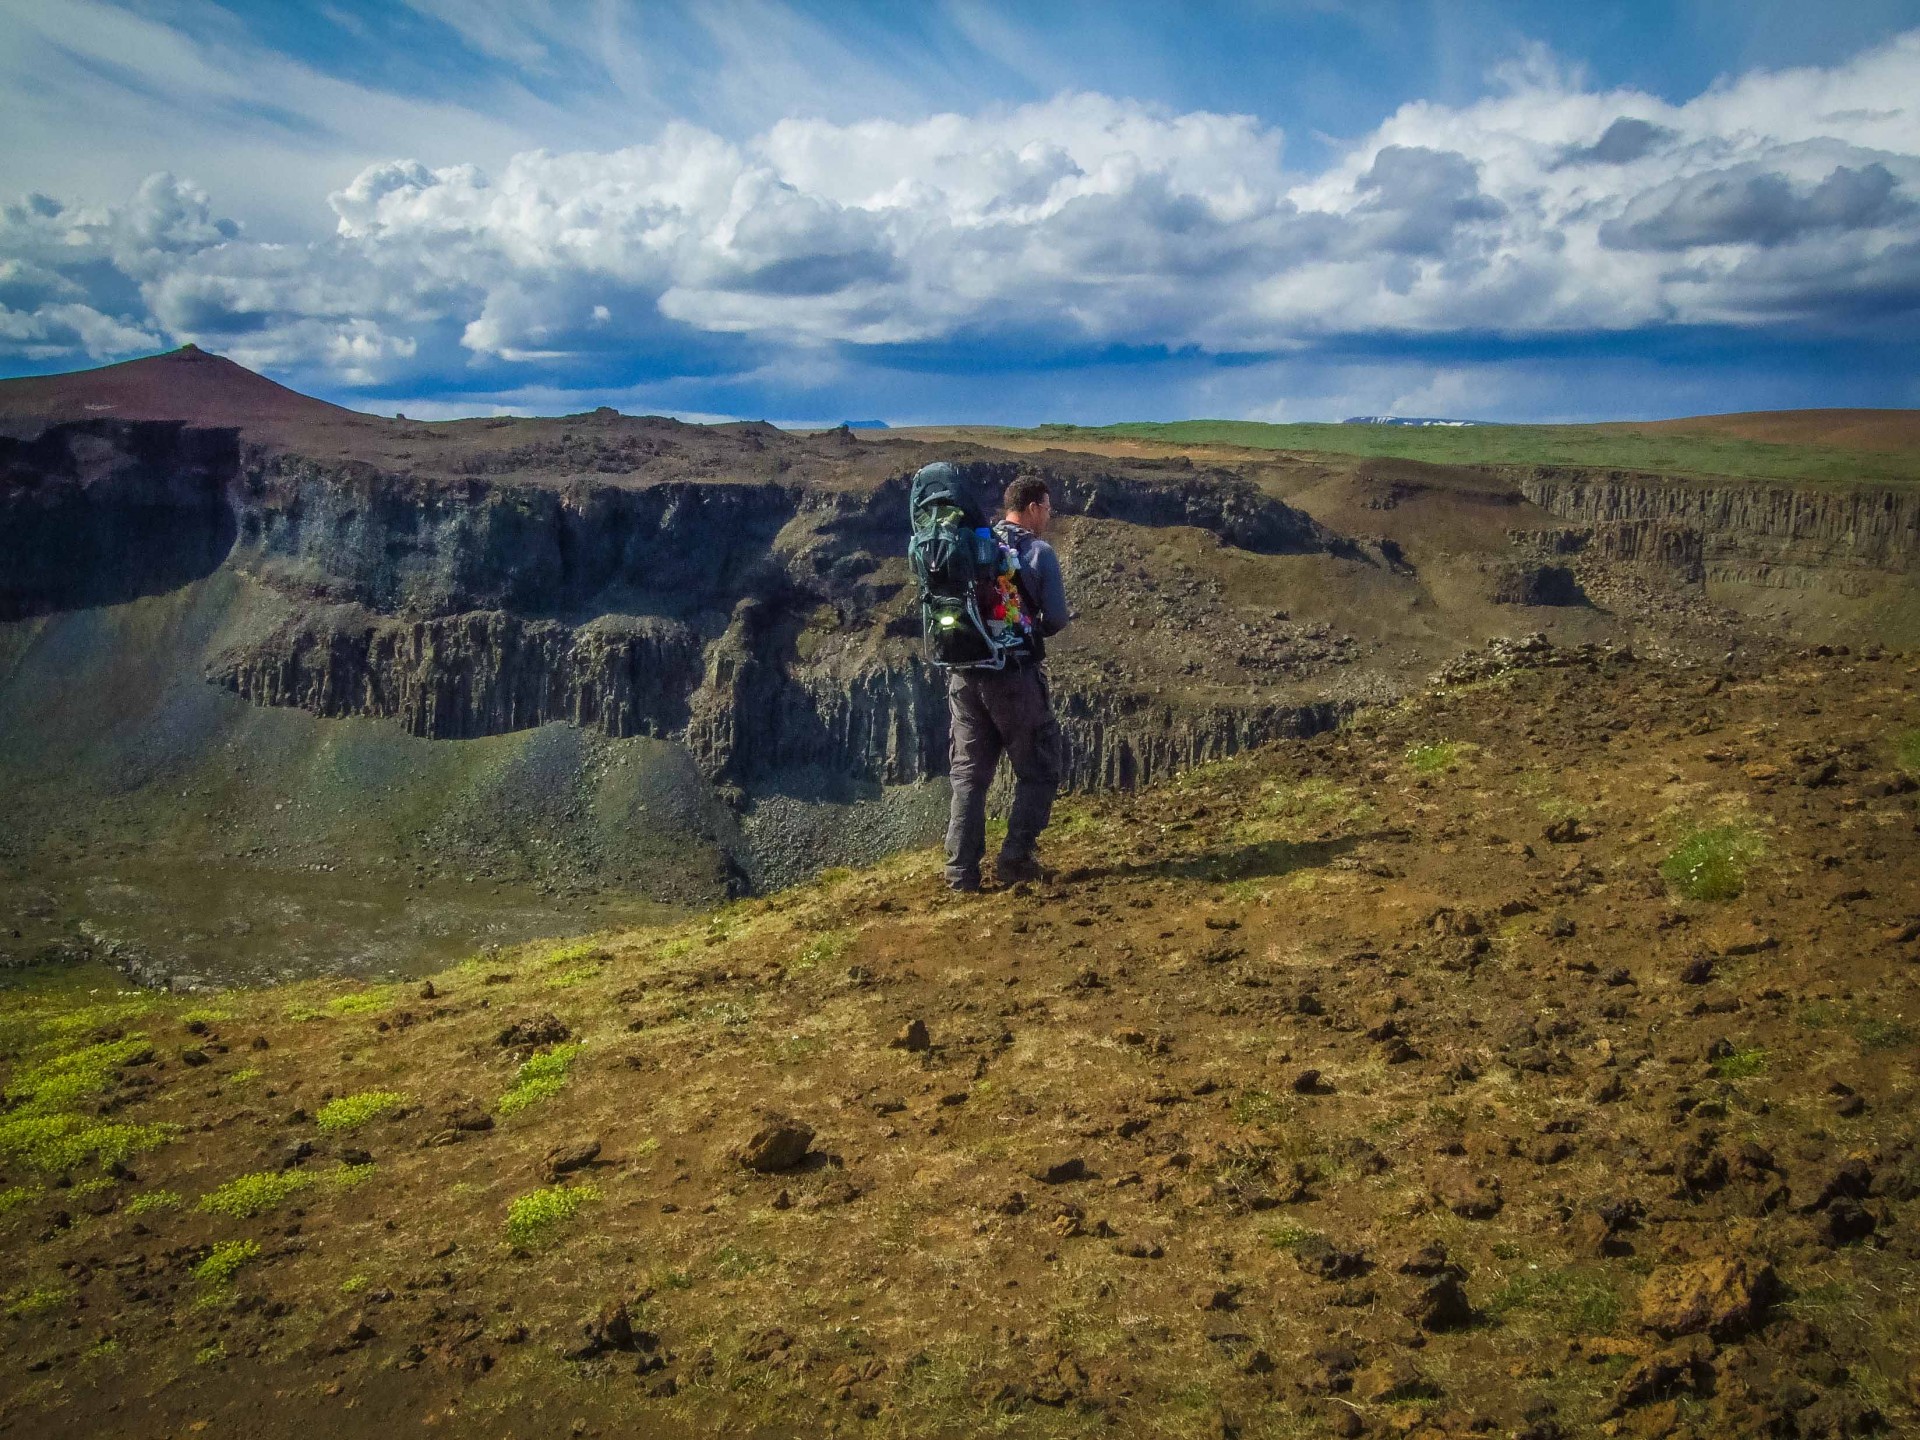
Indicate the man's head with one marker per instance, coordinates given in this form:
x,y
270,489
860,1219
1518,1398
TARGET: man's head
x,y
1029,504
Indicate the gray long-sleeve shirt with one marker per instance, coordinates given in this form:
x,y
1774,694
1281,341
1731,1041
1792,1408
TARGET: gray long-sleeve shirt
x,y
1040,575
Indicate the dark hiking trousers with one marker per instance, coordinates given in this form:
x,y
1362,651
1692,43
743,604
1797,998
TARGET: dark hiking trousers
x,y
994,711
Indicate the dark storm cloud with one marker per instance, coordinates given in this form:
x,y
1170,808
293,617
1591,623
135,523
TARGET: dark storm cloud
x,y
1750,205
1625,140
1416,200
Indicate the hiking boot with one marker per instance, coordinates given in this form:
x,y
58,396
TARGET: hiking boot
x,y
1012,872
964,884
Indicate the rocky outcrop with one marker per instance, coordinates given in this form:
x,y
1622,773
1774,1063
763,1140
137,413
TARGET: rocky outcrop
x,y
482,673
1536,585
1846,539
889,724
1675,553
1209,499
1122,741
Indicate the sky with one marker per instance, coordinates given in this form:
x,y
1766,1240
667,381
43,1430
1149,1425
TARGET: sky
x,y
967,212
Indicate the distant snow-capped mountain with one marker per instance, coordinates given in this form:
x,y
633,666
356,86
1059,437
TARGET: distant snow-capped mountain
x,y
1407,420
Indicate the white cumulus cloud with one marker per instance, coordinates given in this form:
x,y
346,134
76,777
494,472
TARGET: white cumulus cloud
x,y
1086,221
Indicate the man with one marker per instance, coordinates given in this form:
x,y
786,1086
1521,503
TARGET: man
x,y
1009,710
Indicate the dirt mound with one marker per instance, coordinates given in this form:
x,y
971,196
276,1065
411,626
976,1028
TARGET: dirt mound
x,y
187,384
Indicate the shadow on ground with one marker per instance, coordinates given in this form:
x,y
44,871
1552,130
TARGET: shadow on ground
x,y
1266,860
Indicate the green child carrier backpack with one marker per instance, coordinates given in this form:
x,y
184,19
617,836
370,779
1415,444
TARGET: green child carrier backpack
x,y
972,605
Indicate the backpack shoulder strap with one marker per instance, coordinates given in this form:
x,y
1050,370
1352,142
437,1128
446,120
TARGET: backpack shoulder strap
x,y
1001,532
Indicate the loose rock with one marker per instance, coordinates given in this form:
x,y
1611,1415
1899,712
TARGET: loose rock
x,y
1723,1296
780,1144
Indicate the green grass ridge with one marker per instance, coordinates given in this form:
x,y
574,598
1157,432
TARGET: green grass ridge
x,y
1522,445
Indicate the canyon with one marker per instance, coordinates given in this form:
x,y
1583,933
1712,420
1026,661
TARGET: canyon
x,y
721,618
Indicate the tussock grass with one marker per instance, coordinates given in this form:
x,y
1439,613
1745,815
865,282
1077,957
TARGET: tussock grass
x,y
1560,1301
1288,1235
535,1219
1712,864
1742,1064
1882,1032
1260,1107
1435,757
823,949
1298,810
568,953
1906,752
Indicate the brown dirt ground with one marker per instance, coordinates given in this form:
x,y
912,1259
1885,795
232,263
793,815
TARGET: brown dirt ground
x,y
1887,430
1185,1128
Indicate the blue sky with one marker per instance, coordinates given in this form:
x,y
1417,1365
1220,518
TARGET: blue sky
x,y
975,212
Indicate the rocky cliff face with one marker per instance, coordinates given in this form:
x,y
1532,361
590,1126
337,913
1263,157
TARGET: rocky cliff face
x,y
442,546
678,609
98,512
743,592
477,673
1794,537
759,613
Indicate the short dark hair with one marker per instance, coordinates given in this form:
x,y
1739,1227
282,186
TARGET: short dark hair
x,y
1027,490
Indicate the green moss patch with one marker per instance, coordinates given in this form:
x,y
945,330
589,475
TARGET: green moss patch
x,y
349,1112
1712,864
1906,752
76,1075
52,1143
250,1195
38,1301
225,1260
361,1002
535,1219
1740,1064
539,1077
15,1196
